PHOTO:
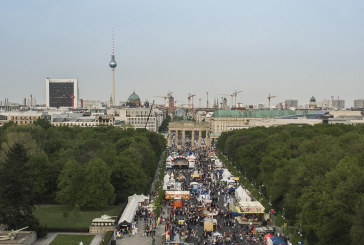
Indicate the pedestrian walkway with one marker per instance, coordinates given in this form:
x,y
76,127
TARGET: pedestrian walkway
x,y
141,239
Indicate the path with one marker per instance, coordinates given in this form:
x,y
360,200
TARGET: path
x,y
51,235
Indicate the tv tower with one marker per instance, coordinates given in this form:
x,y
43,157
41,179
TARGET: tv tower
x,y
113,64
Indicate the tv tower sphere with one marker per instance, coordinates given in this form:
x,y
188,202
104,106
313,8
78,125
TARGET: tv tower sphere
x,y
112,63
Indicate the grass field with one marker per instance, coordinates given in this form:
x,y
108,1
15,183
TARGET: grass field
x,y
63,239
58,216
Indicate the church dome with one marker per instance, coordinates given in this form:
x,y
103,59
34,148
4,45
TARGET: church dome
x,y
133,100
312,99
133,97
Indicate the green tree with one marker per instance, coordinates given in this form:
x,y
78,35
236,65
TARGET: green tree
x,y
16,189
40,172
71,184
44,123
357,229
98,192
316,173
164,126
128,177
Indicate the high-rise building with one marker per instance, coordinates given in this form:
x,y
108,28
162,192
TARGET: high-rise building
x,y
359,103
338,104
61,92
291,103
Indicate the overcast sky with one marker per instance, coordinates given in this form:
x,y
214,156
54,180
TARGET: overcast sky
x,y
293,49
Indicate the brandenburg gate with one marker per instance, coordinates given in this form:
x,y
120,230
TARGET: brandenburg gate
x,y
177,132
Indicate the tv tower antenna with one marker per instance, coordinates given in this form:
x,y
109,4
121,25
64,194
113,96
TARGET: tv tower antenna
x,y
113,64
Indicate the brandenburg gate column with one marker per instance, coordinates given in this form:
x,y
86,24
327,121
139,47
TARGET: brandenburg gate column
x,y
199,137
208,140
193,138
183,137
169,137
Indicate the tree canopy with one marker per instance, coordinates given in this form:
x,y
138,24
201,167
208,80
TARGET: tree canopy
x,y
316,173
84,167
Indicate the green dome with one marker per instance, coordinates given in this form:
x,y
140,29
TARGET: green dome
x,y
133,97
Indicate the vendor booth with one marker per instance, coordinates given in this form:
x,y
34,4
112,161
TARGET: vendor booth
x,y
235,211
170,195
251,212
177,203
209,224
180,162
196,175
251,207
275,241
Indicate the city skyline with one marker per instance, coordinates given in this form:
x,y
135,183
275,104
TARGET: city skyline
x,y
290,49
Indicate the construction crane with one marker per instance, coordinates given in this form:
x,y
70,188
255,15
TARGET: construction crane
x,y
231,95
164,97
235,94
169,94
181,103
150,112
190,96
269,98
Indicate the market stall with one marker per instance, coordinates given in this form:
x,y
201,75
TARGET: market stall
x,y
251,207
170,195
177,203
209,224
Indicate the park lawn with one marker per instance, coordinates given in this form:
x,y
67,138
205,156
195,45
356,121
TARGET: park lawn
x,y
65,239
59,216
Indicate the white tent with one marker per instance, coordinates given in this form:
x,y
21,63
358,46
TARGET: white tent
x,y
129,212
165,182
226,174
218,163
242,195
140,198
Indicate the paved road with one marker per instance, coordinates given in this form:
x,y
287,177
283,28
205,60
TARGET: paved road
x,y
226,222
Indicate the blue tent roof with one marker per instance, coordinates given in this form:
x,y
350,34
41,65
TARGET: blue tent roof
x,y
278,241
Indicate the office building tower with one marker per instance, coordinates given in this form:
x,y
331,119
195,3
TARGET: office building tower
x,y
291,103
61,92
359,103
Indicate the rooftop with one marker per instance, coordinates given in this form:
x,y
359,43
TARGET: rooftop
x,y
263,113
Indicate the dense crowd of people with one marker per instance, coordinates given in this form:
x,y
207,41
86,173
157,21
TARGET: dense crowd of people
x,y
209,201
